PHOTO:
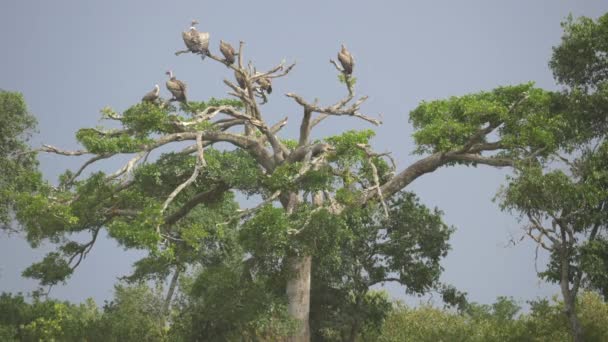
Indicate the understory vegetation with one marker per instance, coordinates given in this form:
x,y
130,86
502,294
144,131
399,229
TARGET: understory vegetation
x,y
133,315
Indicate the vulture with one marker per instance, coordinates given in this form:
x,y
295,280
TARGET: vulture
x,y
176,87
196,42
347,60
152,95
265,84
240,80
228,52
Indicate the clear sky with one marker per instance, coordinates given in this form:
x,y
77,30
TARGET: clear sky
x,y
71,58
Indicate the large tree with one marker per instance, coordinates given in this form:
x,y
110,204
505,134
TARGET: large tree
x,y
564,198
304,184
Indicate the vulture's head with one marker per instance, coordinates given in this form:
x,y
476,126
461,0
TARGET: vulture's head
x,y
193,23
170,73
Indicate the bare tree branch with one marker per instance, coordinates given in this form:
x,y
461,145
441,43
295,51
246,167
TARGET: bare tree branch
x,y
53,149
337,109
370,154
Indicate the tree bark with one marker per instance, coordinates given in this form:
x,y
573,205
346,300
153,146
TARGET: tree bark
x,y
172,285
298,295
569,297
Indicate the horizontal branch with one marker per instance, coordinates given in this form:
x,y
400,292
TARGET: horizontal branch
x,y
55,150
430,164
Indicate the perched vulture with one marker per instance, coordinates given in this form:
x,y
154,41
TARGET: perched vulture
x,y
196,42
240,80
228,52
265,84
152,95
176,87
347,60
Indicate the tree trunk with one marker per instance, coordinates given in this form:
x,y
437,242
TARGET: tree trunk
x,y
575,326
172,285
569,297
298,294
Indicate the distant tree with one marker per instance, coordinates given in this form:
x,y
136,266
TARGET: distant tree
x,y
135,314
17,166
564,198
499,322
46,320
368,249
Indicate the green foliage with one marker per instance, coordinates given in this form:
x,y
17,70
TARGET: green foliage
x,y
581,60
51,270
416,240
49,320
350,80
18,167
528,118
500,322
147,117
235,168
226,302
135,314
575,199
594,262
265,236
238,292
357,317
199,106
43,217
290,143
424,324
361,248
138,231
103,143
346,151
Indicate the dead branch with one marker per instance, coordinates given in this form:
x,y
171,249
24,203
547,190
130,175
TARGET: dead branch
x,y
370,154
337,109
128,166
53,149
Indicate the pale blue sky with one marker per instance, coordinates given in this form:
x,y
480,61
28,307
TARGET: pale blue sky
x,y
71,58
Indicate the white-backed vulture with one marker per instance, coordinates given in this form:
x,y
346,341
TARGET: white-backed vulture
x,y
228,51
196,42
347,60
176,87
152,95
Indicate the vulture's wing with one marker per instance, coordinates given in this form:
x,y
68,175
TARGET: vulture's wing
x,y
189,41
228,51
150,96
347,61
203,41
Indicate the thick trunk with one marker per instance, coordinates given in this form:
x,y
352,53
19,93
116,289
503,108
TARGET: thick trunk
x,y
298,294
575,326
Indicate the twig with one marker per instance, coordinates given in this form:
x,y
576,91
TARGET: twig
x,y
369,153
